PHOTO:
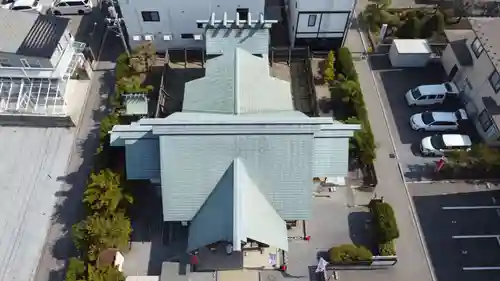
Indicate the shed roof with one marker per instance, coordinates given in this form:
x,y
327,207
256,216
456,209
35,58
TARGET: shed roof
x,y
412,46
230,86
30,34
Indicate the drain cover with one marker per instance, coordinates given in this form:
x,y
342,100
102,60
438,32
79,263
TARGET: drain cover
x,y
392,155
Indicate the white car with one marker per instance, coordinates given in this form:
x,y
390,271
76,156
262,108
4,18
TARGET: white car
x,y
431,94
67,7
24,5
437,121
438,145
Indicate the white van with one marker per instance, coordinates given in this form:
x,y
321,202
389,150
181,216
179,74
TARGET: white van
x,y
430,94
67,7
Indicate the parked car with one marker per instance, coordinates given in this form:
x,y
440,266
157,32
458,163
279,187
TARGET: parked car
x,y
438,145
66,7
437,121
24,5
431,94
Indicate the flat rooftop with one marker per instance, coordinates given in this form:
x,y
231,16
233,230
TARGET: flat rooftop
x,y
32,167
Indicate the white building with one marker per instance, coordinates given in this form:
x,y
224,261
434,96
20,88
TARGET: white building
x,y
471,60
319,24
172,24
37,57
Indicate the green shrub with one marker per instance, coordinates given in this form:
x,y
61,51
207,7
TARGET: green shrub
x,y
411,27
431,25
349,253
329,72
387,249
345,64
122,67
384,220
76,270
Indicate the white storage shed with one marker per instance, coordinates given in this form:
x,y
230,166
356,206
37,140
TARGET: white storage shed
x,y
319,24
410,53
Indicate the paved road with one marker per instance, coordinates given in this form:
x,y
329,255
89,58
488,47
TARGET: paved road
x,y
59,246
413,263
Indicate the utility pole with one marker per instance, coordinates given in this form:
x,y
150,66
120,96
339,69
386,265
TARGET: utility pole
x,y
115,23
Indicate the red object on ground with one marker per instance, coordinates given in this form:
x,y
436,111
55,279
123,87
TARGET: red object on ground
x,y
307,238
440,164
194,259
283,267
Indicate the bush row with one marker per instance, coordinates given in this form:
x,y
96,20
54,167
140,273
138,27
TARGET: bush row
x,y
349,253
345,88
106,197
385,226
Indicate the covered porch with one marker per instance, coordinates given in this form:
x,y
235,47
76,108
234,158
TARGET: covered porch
x,y
237,227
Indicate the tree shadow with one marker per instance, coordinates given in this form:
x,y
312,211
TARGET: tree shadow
x,y
69,209
360,230
325,105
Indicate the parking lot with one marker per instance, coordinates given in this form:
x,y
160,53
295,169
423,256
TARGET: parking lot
x,y
461,226
393,83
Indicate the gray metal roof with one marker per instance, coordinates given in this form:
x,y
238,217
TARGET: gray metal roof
x,y
230,214
33,167
195,150
30,34
223,41
237,83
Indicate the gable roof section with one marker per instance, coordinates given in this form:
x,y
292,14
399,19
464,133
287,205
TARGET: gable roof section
x,y
223,41
230,213
30,34
239,83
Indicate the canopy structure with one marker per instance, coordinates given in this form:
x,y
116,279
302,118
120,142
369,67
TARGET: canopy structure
x,y
38,96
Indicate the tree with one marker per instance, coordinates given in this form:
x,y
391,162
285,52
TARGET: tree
x,y
329,73
432,25
97,233
143,57
484,156
104,193
104,273
346,65
76,270
132,84
410,28
384,219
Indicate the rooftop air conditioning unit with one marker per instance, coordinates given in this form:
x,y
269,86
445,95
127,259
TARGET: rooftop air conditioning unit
x,y
167,37
149,37
198,37
137,38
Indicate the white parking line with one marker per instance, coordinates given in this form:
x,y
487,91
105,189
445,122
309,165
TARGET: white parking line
x,y
493,200
474,236
481,268
470,207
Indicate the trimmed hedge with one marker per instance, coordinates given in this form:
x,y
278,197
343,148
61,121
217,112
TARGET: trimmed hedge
x,y
348,253
384,220
364,139
387,249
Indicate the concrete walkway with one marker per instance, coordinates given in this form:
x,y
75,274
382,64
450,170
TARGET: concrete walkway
x,y
413,264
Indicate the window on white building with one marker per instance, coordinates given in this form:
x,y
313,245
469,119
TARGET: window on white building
x,y
485,120
150,16
187,36
477,47
243,13
495,81
5,62
312,20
